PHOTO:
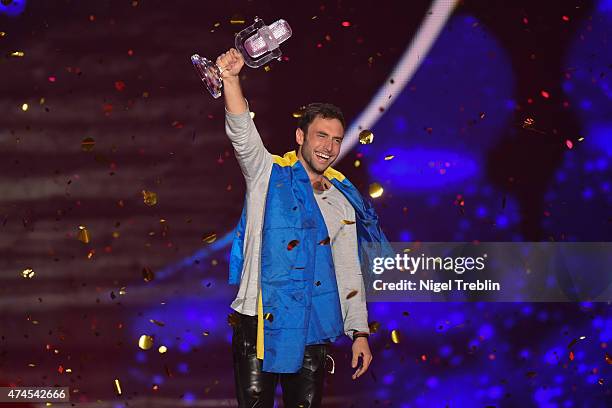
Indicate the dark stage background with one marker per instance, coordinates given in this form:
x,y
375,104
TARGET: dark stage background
x,y
502,134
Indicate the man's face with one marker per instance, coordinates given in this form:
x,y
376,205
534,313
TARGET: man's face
x,y
321,146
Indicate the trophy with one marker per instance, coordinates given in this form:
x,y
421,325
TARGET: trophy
x,y
258,45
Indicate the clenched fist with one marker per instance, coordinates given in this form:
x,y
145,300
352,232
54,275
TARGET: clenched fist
x,y
230,63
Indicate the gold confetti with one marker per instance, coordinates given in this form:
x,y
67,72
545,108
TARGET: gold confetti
x,y
324,241
157,322
375,190
299,112
24,107
145,342
2,33
351,294
117,386
292,244
269,317
83,235
374,326
252,114
88,144
580,139
17,54
42,101
237,21
366,136
162,349
395,336
28,273
389,157
357,163
267,68
209,238
149,197
122,291
147,274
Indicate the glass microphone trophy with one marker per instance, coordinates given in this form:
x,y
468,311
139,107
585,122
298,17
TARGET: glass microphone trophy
x,y
258,45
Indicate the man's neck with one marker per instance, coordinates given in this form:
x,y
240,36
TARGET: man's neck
x,y
313,176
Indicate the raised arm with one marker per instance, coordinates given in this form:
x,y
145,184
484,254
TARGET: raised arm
x,y
231,62
254,159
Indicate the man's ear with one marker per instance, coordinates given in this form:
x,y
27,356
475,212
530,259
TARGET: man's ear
x,y
299,136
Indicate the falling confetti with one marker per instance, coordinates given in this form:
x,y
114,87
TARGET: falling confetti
x,y
17,54
117,386
145,342
237,20
366,136
324,241
357,163
88,144
24,107
149,197
375,190
122,291
395,336
608,359
569,144
348,222
351,294
28,273
292,244
162,349
209,238
374,326
83,235
528,122
147,274
269,317
389,157
333,368
573,342
157,322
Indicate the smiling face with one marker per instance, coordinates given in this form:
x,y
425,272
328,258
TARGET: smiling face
x,y
320,147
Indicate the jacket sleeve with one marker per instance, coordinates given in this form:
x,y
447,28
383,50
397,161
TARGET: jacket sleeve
x,y
351,286
253,158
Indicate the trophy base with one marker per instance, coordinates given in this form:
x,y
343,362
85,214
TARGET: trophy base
x,y
209,74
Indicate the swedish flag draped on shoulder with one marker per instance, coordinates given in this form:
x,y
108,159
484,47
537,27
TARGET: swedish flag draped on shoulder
x,y
299,294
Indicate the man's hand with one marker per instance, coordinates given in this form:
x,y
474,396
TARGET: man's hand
x,y
230,63
361,349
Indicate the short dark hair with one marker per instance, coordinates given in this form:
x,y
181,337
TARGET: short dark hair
x,y
324,110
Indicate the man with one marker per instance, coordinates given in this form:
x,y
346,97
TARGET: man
x,y
295,255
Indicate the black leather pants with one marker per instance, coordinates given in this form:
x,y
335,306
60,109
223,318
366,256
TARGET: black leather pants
x,y
256,388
